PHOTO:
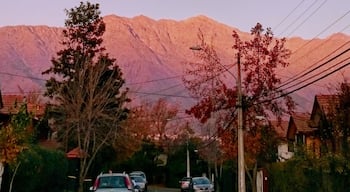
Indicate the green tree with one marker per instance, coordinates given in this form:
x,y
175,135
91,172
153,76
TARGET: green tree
x,y
15,137
86,87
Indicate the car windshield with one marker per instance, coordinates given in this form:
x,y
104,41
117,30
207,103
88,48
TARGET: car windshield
x,y
200,181
111,182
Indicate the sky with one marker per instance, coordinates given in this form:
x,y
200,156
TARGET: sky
x,y
287,18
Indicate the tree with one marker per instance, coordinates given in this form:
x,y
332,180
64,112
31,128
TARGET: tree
x,y
337,130
155,119
343,117
86,87
260,57
15,137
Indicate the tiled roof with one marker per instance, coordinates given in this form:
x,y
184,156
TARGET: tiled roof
x,y
281,129
301,121
327,102
11,104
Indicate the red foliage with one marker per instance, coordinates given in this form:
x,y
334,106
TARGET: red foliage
x,y
260,57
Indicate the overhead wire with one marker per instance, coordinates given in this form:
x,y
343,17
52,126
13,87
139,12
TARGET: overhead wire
x,y
290,13
303,86
295,20
324,30
298,26
319,73
310,69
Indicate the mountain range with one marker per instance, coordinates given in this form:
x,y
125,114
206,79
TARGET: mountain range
x,y
152,55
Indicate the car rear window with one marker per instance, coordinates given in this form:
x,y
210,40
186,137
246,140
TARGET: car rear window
x,y
112,182
201,181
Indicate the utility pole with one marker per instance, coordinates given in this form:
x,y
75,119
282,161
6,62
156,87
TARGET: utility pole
x,y
188,173
188,162
240,134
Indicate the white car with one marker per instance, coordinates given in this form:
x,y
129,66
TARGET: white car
x,y
140,182
113,182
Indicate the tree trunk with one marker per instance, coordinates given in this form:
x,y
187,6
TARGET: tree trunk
x,y
255,171
216,182
1,173
13,176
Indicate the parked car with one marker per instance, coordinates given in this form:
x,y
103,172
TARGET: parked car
x,y
140,182
113,182
196,184
139,173
201,184
185,184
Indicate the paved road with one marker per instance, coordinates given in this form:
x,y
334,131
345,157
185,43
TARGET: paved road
x,y
153,188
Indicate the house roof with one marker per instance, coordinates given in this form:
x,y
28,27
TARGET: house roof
x,y
11,104
327,103
324,105
299,123
280,128
76,153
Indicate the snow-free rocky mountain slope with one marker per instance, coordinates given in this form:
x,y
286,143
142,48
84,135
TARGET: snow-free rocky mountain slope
x,y
151,54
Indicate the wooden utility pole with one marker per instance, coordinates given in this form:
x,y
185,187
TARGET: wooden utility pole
x,y
240,134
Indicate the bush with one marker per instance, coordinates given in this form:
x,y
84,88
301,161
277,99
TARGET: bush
x,y
40,170
329,173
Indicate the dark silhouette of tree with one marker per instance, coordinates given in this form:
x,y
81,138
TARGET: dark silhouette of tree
x,y
86,88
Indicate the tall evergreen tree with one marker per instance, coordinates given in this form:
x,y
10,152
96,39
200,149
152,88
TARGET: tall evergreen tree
x,y
86,87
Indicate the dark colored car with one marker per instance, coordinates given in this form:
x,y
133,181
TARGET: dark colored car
x,y
196,184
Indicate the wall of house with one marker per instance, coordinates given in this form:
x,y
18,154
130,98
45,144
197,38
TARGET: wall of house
x,y
313,145
283,153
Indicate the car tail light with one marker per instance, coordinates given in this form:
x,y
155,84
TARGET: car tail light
x,y
127,182
96,183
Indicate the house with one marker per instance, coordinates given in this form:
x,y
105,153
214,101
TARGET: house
x,y
322,118
300,134
10,105
282,148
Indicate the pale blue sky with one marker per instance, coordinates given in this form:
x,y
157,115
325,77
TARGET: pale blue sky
x,y
311,19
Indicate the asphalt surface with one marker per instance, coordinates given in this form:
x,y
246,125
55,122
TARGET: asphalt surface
x,y
155,188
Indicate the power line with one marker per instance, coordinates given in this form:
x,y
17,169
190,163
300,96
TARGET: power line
x,y
166,95
295,20
301,87
304,73
290,13
307,18
27,77
295,77
325,29
319,73
155,80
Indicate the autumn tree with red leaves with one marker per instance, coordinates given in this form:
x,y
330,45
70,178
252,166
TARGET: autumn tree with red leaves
x,y
260,57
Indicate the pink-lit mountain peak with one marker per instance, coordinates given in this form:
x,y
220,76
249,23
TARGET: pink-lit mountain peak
x,y
148,50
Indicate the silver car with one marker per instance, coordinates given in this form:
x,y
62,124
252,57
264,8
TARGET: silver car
x,y
113,182
201,184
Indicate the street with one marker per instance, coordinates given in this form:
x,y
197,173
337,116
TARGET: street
x,y
155,188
